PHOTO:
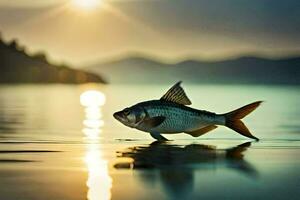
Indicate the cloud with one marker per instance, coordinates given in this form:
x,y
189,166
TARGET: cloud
x,y
258,19
170,28
29,3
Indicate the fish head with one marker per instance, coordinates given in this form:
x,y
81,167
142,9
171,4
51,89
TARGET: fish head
x,y
131,116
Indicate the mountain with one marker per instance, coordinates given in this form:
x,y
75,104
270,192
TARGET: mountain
x,y
243,70
16,66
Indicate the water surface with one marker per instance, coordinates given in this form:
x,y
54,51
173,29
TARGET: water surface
x,y
61,142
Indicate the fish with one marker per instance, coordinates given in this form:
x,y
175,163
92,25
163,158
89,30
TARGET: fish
x,y
171,114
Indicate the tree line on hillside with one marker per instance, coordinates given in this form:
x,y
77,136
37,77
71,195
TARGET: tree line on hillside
x,y
18,66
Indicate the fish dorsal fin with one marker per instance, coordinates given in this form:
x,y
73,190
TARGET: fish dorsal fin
x,y
177,95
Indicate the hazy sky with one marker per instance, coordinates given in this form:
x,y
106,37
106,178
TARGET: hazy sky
x,y
166,28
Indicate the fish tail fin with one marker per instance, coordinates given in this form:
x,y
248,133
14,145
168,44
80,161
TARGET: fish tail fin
x,y
234,122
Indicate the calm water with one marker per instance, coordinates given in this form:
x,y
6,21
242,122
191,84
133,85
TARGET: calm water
x,y
61,142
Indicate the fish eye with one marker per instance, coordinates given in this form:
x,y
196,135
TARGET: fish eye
x,y
126,111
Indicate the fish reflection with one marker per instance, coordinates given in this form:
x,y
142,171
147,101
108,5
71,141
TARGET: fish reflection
x,y
99,182
176,164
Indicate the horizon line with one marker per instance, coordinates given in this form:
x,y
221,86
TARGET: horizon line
x,y
152,56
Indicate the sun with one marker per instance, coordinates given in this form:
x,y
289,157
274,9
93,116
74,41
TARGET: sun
x,y
87,4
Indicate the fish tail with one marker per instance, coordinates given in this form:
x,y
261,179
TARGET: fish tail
x,y
234,122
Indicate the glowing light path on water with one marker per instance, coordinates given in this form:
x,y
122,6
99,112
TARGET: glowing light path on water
x,y
99,182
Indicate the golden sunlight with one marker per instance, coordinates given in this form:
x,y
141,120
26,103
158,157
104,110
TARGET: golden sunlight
x,y
87,4
92,98
99,182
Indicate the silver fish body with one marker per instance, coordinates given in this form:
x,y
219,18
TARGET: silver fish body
x,y
178,118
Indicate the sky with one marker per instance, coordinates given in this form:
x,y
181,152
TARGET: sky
x,y
168,29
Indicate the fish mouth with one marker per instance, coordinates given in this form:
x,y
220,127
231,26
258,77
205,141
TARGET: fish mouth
x,y
118,116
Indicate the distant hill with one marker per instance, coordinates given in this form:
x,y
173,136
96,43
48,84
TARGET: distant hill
x,y
18,67
244,70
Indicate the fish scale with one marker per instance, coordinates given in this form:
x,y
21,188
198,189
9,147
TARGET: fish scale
x,y
178,118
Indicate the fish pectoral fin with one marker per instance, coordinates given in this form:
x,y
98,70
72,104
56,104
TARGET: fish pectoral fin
x,y
201,131
153,122
177,95
158,136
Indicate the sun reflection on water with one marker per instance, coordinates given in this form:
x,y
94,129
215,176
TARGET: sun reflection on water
x,y
92,100
99,182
